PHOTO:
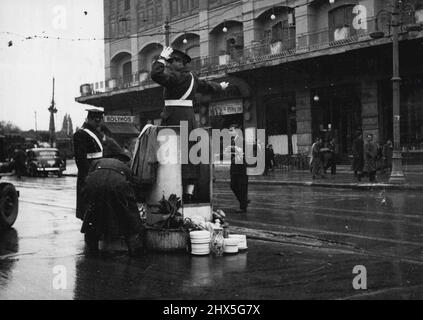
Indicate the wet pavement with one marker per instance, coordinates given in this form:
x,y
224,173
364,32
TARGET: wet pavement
x,y
303,244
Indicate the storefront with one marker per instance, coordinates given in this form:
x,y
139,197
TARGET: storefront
x,y
336,113
224,113
122,128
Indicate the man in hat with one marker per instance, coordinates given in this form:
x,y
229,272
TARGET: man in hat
x,y
87,142
180,86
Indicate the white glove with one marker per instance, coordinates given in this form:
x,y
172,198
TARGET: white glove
x,y
167,51
224,85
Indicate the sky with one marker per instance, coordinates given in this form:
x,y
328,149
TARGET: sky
x,y
28,67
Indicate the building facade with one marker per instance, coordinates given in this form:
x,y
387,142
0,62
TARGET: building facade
x,y
297,68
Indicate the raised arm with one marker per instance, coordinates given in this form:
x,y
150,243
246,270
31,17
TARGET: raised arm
x,y
205,86
159,74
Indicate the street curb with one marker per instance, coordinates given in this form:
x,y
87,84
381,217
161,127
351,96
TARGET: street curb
x,y
354,186
70,175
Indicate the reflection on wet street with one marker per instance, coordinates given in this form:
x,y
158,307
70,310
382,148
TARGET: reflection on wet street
x,y
381,230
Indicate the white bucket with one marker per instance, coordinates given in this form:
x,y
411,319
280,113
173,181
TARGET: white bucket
x,y
200,242
242,240
230,245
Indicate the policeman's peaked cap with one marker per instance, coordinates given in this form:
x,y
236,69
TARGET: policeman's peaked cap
x,y
98,110
177,54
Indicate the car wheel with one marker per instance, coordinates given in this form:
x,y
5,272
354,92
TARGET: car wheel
x,y
9,205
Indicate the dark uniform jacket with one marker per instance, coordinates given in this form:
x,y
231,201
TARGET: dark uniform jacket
x,y
84,146
110,202
237,167
175,84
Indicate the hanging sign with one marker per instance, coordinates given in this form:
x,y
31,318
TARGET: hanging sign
x,y
221,108
119,119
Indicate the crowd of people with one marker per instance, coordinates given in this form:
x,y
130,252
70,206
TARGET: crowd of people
x,y
368,157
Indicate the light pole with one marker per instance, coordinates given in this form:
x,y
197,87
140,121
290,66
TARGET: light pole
x,y
167,32
397,174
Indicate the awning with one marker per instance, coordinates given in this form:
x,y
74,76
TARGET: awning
x,y
122,128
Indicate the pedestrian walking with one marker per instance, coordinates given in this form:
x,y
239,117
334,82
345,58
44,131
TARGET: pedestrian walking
x,y
370,157
180,86
387,152
88,148
269,159
331,157
19,159
358,156
238,169
111,210
316,161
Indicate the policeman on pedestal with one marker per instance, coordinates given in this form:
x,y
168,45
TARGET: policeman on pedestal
x,y
180,86
87,142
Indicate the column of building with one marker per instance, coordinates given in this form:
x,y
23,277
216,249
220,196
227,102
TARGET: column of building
x,y
203,18
369,108
134,40
304,119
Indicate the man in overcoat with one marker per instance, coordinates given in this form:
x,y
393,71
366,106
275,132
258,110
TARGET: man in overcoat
x,y
88,147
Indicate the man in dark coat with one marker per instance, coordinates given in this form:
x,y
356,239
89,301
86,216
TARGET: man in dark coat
x,y
238,169
19,159
370,156
316,161
111,210
88,147
269,159
331,159
358,156
180,86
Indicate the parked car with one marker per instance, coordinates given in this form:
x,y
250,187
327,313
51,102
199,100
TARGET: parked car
x,y
42,161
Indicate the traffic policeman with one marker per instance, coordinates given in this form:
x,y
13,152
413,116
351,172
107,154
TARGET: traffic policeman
x,y
88,148
180,86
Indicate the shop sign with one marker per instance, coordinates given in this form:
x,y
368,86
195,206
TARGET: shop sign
x,y
119,119
222,108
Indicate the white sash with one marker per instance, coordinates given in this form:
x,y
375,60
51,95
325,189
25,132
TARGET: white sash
x,y
186,95
95,138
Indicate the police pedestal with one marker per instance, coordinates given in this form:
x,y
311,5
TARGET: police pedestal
x,y
169,181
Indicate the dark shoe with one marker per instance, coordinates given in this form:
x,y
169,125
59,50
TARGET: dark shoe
x,y
241,211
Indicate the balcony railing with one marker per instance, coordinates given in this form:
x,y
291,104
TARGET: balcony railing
x,y
260,52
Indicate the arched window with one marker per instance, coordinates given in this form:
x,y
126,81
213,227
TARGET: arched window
x,y
127,72
341,23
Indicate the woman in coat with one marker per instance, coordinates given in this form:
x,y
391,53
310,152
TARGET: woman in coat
x,y
370,158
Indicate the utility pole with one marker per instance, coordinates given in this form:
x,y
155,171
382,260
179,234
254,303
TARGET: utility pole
x,y
397,174
35,116
167,32
52,128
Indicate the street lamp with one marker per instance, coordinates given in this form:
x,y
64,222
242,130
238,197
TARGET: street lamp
x,y
397,174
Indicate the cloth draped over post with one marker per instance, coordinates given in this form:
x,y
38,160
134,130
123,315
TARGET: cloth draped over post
x,y
144,162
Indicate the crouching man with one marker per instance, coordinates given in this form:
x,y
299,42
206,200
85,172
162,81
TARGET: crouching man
x,y
111,209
